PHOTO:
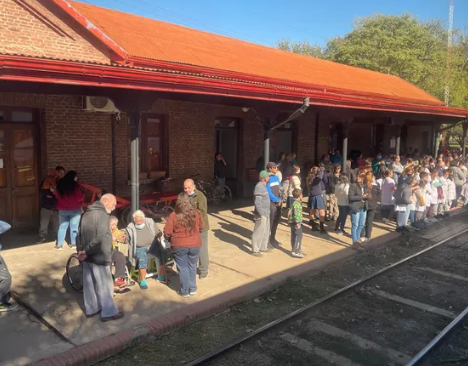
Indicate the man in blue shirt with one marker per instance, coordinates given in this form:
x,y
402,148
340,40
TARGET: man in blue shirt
x,y
274,192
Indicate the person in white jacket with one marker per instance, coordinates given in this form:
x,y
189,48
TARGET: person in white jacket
x,y
294,183
341,193
452,189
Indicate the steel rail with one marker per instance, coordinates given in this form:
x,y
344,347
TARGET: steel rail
x,y
425,351
218,352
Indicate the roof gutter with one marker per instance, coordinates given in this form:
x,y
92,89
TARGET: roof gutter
x,y
120,54
20,68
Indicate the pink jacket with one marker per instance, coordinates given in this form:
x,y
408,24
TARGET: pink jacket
x,y
72,202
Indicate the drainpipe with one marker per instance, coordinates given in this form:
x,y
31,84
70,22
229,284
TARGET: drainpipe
x,y
465,129
347,125
266,142
134,158
267,128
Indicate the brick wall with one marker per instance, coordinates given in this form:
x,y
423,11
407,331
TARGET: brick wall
x,y
28,27
69,136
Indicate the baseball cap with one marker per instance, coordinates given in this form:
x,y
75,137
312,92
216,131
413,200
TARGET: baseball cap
x,y
263,174
271,164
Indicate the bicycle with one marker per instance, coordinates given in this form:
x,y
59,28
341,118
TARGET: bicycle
x,y
156,205
212,191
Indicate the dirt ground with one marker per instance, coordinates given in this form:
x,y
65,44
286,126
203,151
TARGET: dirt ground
x,y
193,341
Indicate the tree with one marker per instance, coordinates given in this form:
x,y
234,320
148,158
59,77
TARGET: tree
x,y
303,48
401,46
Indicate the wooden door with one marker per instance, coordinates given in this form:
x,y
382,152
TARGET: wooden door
x,y
19,203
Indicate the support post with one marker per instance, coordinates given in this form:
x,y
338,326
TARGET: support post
x,y
398,140
344,153
436,140
134,159
465,129
266,143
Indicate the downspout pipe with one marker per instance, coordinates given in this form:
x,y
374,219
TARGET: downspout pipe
x,y
267,128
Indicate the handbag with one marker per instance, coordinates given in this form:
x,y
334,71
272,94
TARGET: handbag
x,y
165,243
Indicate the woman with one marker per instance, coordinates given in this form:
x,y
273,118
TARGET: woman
x,y
358,209
402,201
372,190
70,198
317,180
183,229
341,193
294,183
142,237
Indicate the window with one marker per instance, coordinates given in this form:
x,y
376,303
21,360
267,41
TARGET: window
x,y
153,143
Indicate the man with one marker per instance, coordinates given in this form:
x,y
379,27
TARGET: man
x,y
261,230
274,191
94,245
220,171
287,166
198,200
49,214
336,157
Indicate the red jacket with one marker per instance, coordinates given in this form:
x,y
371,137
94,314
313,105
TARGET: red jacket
x,y
72,202
179,236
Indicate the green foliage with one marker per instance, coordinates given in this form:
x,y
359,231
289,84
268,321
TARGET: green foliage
x,y
401,46
303,48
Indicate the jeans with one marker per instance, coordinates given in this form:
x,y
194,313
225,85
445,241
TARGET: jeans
x,y
357,223
275,216
98,290
412,216
68,218
407,214
340,223
402,218
186,259
369,223
296,238
48,217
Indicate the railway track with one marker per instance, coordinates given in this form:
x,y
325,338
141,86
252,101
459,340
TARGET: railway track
x,y
395,316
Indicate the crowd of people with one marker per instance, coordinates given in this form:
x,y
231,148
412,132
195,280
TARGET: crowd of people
x,y
413,190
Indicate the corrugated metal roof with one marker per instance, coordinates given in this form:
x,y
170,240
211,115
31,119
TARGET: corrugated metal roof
x,y
152,39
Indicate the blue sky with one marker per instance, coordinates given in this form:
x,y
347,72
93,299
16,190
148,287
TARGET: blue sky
x,y
267,21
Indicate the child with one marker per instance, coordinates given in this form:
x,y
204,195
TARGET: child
x,y
452,189
5,278
341,193
420,203
434,202
295,221
387,199
118,236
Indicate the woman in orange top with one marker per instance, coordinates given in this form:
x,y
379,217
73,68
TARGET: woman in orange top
x,y
183,229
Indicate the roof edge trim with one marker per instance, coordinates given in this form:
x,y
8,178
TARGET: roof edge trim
x,y
93,29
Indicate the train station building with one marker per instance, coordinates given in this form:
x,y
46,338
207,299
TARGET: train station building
x,y
80,86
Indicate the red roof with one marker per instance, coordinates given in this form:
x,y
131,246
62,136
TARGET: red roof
x,y
145,38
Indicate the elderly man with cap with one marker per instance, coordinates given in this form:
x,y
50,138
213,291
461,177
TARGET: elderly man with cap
x,y
274,191
261,230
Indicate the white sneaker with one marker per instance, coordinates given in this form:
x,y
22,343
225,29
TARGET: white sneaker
x,y
192,293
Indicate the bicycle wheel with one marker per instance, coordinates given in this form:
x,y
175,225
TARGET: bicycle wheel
x,y
75,272
227,194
